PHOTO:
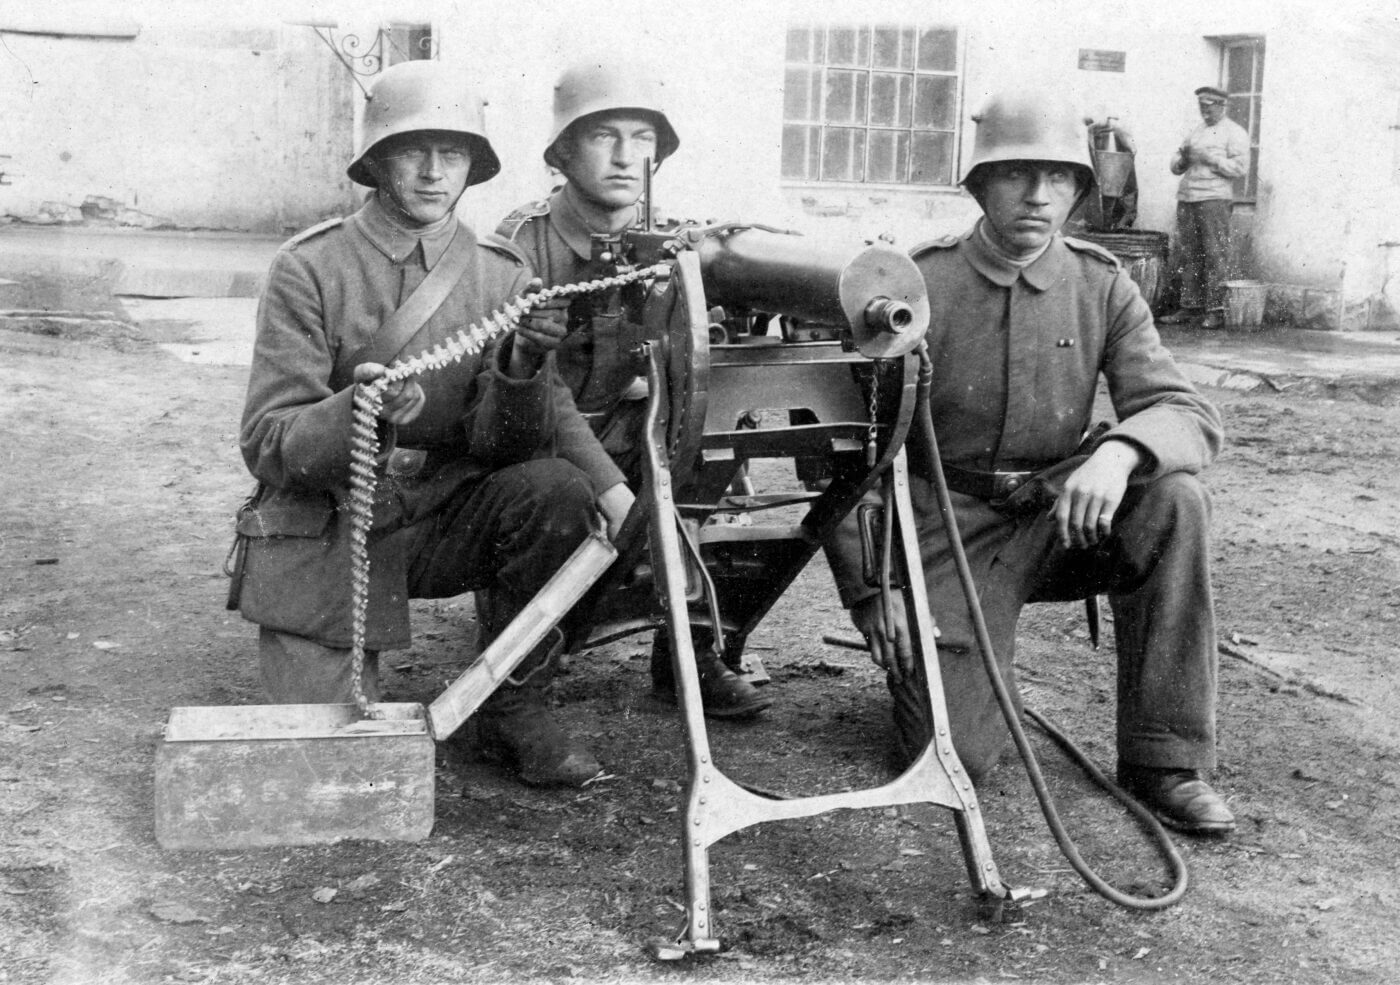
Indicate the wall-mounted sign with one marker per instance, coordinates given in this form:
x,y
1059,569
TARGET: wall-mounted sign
x,y
1100,60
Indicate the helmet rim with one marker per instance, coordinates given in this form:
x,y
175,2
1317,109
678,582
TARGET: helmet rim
x,y
417,96
591,89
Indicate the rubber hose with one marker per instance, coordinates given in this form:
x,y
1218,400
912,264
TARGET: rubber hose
x,y
924,433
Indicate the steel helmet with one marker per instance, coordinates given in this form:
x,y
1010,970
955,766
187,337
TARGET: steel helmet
x,y
1029,126
423,95
589,88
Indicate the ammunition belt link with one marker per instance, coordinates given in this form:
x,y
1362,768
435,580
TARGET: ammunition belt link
x,y
364,449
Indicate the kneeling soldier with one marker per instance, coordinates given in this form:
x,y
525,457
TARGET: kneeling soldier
x,y
1023,323
494,477
608,125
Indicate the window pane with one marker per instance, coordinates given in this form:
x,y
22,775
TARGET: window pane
x,y
800,152
848,46
801,44
894,47
1237,109
936,102
891,99
845,96
933,159
1239,68
843,154
409,42
888,160
1258,67
801,95
938,50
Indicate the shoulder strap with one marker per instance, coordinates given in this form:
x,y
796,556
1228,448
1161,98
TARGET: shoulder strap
x,y
421,305
1092,249
510,225
928,245
312,232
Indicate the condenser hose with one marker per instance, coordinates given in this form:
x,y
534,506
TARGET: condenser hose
x,y
924,432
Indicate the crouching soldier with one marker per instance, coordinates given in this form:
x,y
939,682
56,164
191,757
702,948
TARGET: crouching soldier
x,y
608,126
1023,323
493,479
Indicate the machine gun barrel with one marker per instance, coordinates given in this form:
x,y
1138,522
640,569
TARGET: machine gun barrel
x,y
876,292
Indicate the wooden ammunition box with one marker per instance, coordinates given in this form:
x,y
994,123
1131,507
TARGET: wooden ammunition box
x,y
254,775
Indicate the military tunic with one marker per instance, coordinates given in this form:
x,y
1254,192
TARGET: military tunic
x,y
596,359
1017,353
327,293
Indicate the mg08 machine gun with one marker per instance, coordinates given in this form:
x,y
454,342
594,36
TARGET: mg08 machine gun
x,y
757,344
762,344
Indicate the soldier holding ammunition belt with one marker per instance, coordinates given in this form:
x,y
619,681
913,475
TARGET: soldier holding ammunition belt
x,y
493,479
1023,323
608,125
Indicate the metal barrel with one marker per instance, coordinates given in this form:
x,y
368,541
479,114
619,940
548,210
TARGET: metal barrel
x,y
876,291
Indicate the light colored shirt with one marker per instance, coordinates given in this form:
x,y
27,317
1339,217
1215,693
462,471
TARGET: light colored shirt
x,y
1209,161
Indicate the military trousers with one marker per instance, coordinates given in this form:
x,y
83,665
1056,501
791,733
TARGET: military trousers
x,y
1203,245
1154,567
508,532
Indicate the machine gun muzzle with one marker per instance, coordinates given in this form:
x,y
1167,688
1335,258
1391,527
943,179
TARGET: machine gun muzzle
x,y
875,292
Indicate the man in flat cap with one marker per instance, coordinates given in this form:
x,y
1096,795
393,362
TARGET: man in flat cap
x,y
1209,160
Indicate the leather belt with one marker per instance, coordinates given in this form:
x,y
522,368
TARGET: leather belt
x,y
984,485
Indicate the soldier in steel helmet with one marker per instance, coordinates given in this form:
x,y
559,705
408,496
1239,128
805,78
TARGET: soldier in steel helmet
x,y
609,126
494,478
1024,322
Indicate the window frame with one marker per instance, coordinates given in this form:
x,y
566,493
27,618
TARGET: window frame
x,y
1246,189
881,59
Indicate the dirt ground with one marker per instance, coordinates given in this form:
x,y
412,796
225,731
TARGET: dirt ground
x,y
120,474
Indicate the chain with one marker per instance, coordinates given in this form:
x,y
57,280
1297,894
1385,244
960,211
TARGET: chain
x,y
364,437
871,432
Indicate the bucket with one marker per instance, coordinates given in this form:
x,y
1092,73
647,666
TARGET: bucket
x,y
1143,253
1112,168
1244,303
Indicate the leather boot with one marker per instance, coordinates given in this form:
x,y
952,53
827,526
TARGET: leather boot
x,y
1180,798
516,726
723,693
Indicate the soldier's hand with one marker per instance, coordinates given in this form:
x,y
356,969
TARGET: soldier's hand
x,y
542,328
1093,492
403,400
615,503
889,642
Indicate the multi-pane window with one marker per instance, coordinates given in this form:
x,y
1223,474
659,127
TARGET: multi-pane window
x,y
871,104
1242,77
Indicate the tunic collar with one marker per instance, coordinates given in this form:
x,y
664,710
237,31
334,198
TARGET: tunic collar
x,y
396,241
572,228
1044,271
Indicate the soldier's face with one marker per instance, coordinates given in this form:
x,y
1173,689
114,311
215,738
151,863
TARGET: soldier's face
x,y
605,159
1026,202
421,174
